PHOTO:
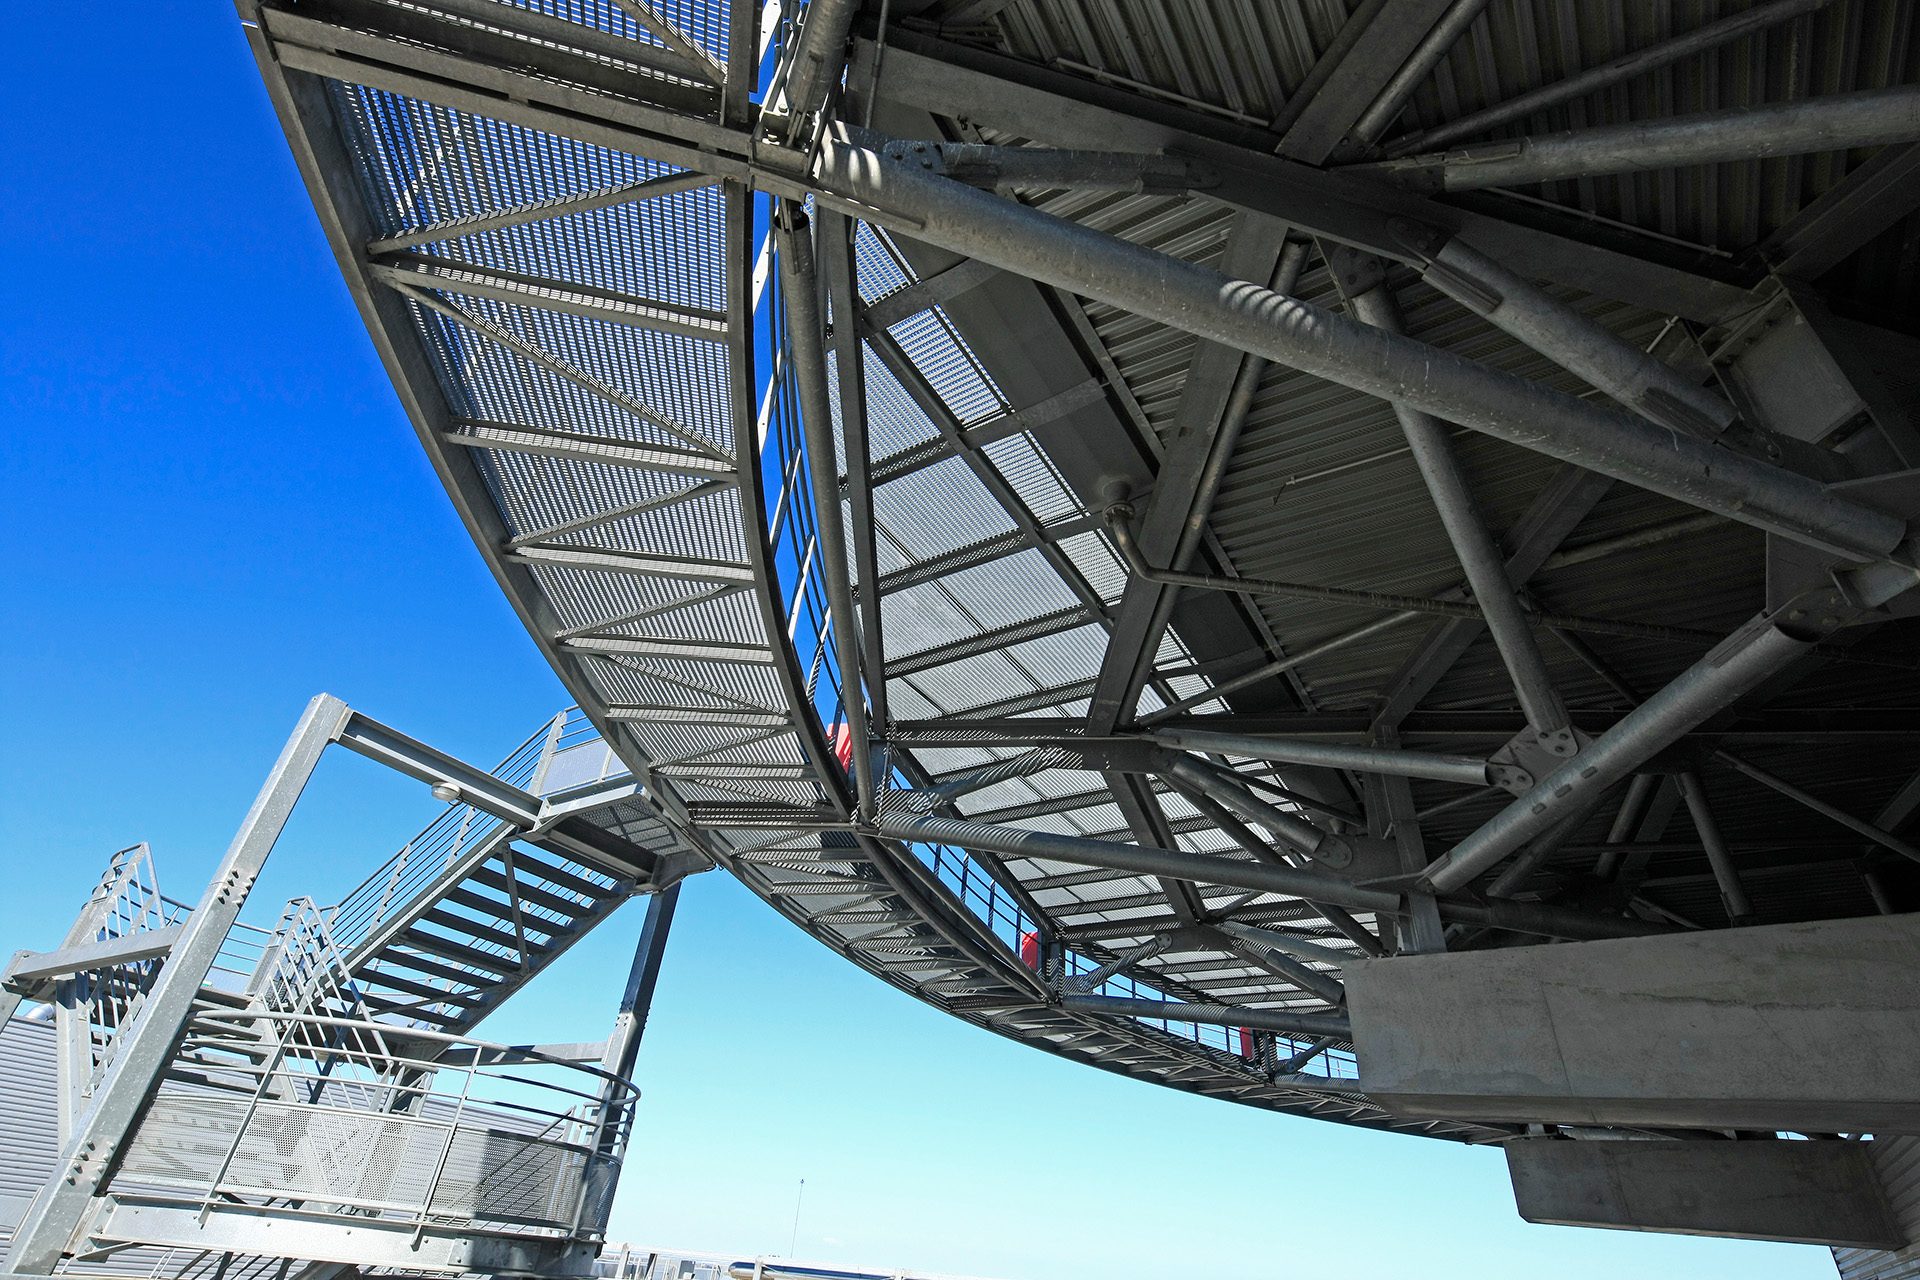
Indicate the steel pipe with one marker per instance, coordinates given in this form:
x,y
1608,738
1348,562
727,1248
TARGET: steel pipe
x,y
1746,658
1405,764
1277,941
805,331
843,293
1145,951
1841,122
1315,1049
1885,839
1544,846
1023,766
1144,860
819,57
1122,534
1044,168
1255,877
1633,807
1547,921
1473,546
1413,73
1242,315
1513,303
1733,894
1653,536
1223,1015
1607,74
1297,832
1301,975
1247,838
1277,667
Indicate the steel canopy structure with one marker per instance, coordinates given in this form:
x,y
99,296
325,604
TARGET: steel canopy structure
x,y
1107,516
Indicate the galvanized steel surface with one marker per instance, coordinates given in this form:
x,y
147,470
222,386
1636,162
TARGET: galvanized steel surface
x,y
598,439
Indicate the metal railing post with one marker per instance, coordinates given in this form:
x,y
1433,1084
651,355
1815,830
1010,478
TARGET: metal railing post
x,y
267,1071
446,1150
548,750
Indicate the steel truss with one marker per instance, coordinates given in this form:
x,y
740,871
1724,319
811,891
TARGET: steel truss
x,y
896,458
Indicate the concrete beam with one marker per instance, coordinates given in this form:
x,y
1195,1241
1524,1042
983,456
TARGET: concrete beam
x,y
1804,1027
1798,1192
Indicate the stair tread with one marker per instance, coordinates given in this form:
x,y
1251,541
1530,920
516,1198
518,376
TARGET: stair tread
x,y
540,869
393,982
504,912
538,896
473,928
414,1012
447,948
377,966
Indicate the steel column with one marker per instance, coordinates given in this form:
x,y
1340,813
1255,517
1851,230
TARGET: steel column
x,y
636,1001
1733,894
805,332
143,1049
1479,558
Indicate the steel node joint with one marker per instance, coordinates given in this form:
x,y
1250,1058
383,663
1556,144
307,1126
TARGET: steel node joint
x,y
1737,665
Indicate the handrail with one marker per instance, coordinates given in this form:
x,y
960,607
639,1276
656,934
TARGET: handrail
x,y
521,1053
513,1145
421,858
458,832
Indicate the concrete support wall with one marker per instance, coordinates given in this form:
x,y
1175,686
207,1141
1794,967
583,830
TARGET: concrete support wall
x,y
1807,1027
1800,1192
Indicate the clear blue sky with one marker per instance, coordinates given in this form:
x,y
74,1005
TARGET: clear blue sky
x,y
218,510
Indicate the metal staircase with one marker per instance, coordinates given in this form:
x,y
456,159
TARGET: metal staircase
x,y
489,921
472,908
315,1105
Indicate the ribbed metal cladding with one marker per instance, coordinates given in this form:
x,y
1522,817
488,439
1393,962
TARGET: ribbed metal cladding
x,y
1898,1162
29,1122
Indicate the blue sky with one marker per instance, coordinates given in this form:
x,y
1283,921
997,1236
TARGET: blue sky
x,y
219,510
